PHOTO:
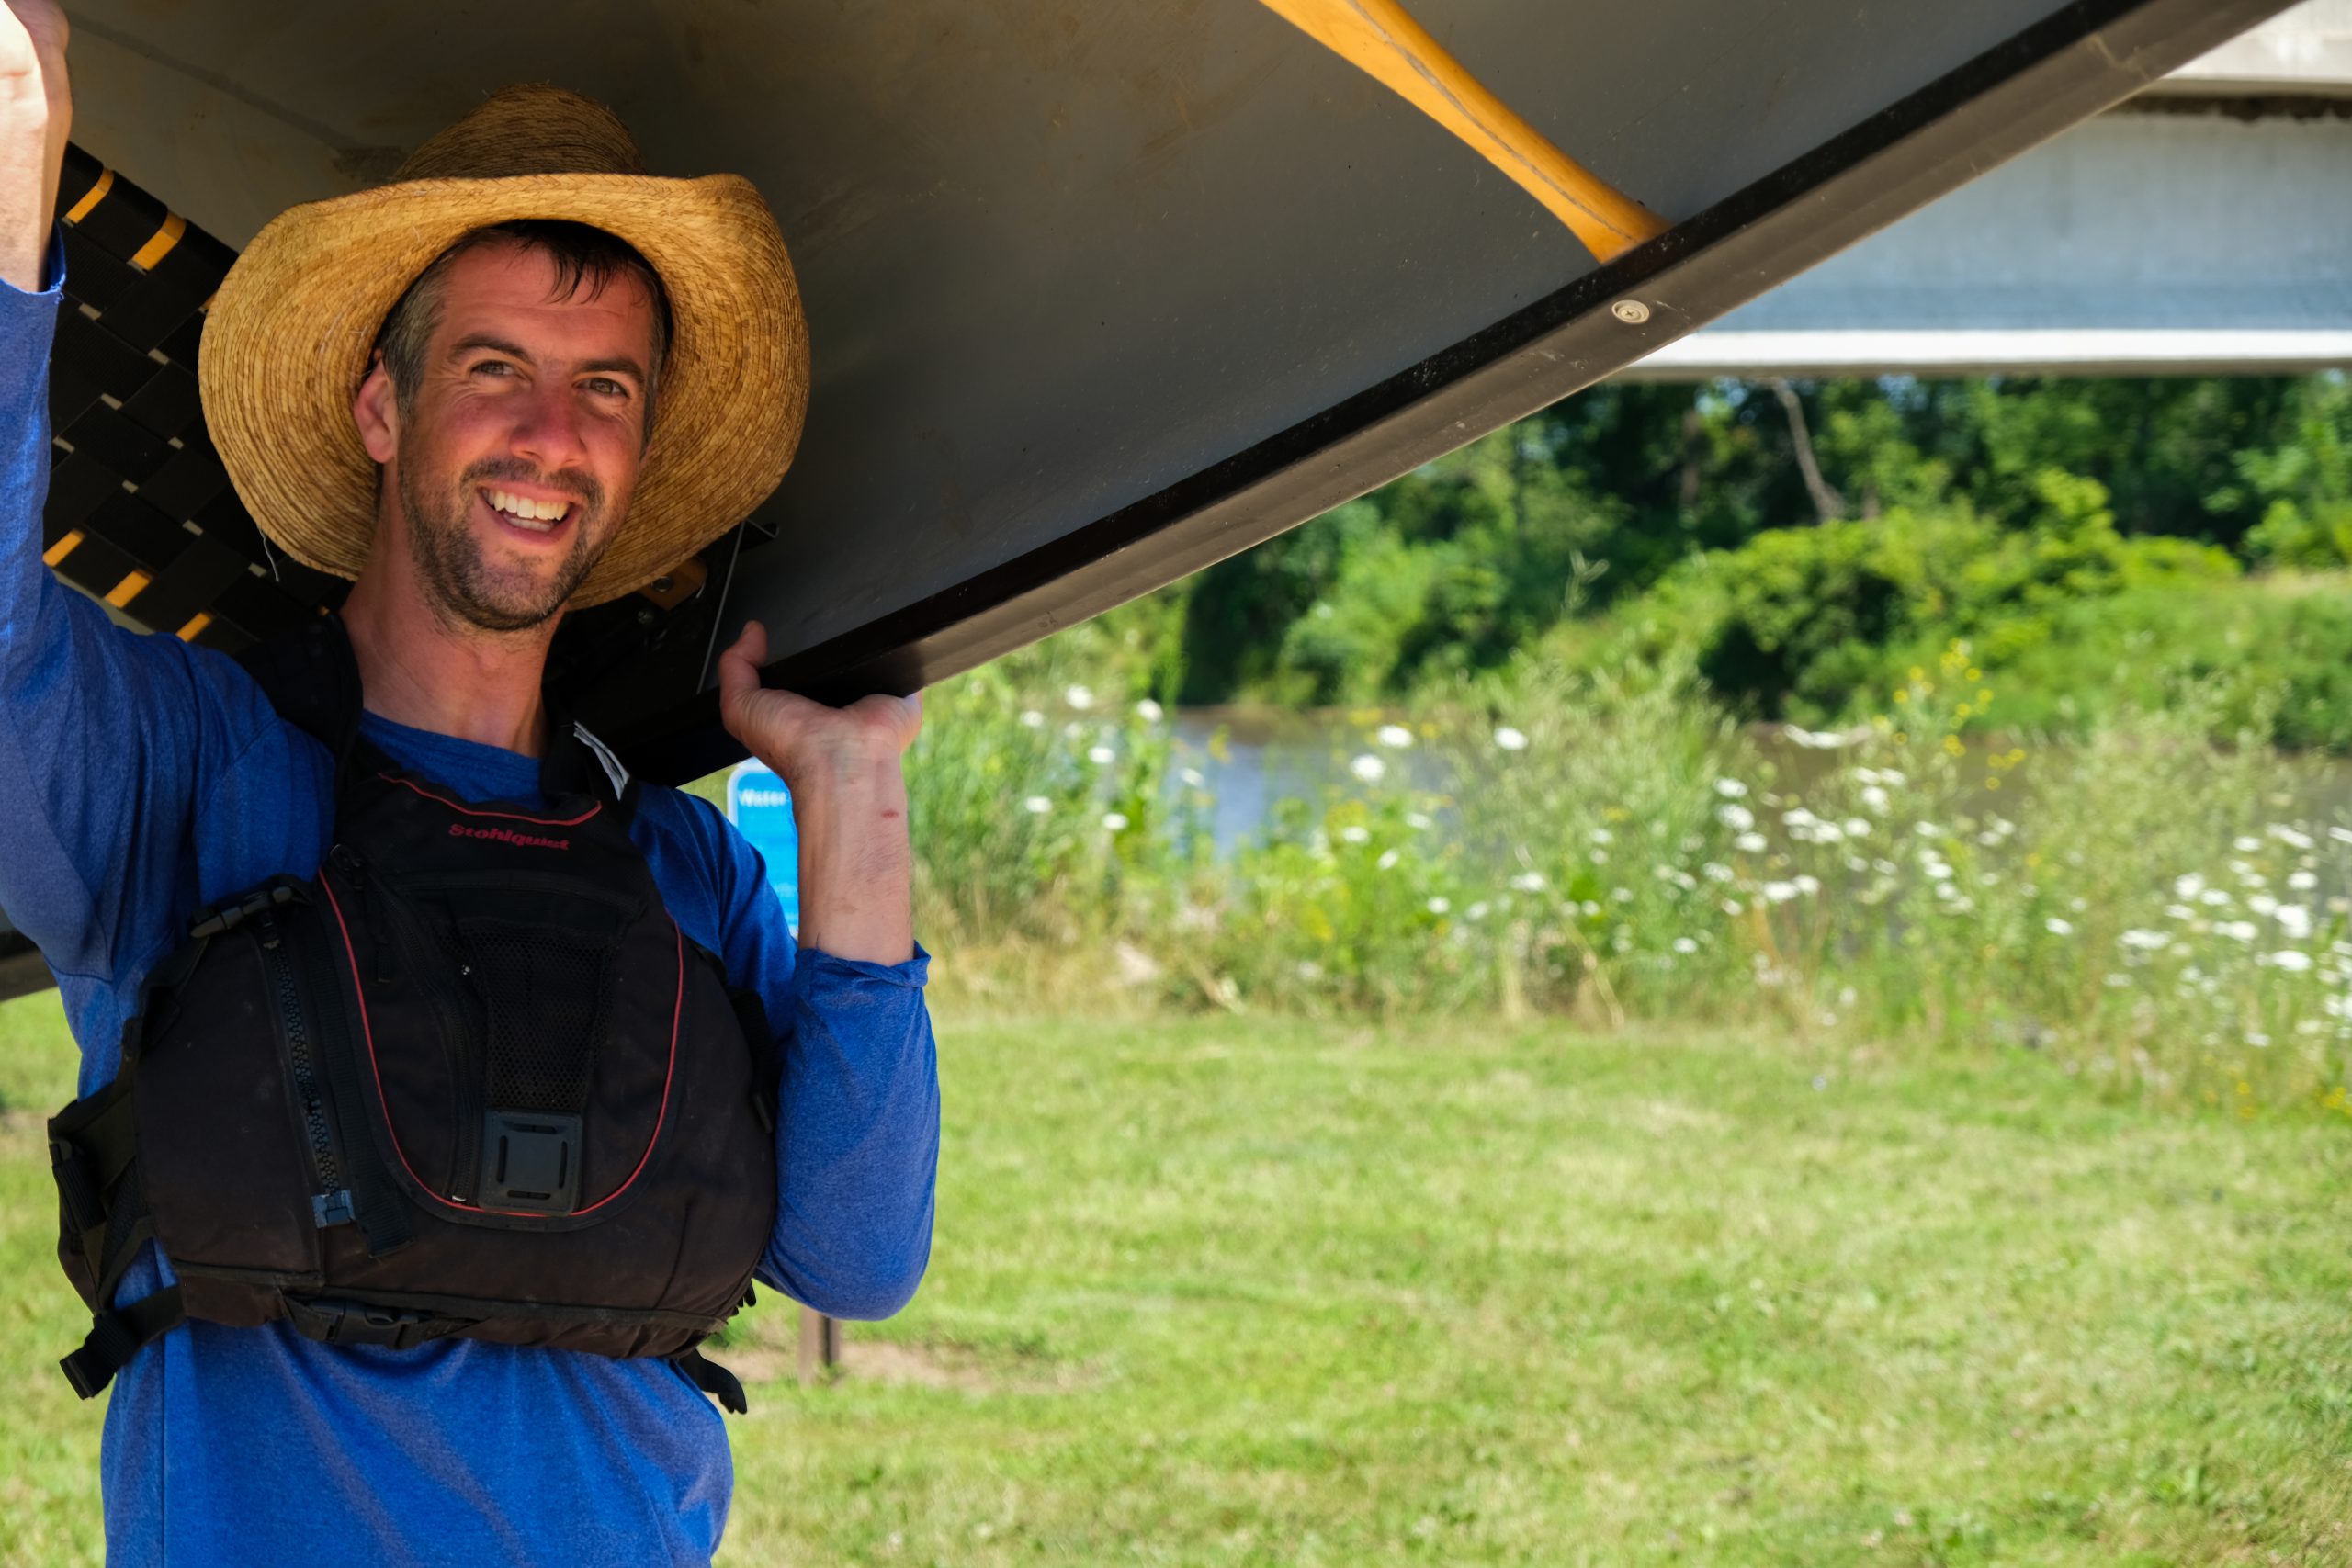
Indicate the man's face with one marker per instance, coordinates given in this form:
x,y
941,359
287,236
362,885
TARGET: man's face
x,y
518,453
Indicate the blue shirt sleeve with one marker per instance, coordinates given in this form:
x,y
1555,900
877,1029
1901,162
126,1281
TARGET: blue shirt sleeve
x,y
857,1137
107,740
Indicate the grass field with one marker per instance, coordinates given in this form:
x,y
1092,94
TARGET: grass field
x,y
1233,1291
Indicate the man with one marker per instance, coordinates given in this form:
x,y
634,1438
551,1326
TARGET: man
x,y
531,433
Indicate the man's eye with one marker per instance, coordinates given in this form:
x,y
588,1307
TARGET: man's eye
x,y
604,386
493,368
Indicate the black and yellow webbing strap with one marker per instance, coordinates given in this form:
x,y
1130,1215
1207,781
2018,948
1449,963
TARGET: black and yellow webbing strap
x,y
140,512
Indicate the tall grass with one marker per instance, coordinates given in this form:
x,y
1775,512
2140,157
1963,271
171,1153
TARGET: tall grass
x,y
2154,912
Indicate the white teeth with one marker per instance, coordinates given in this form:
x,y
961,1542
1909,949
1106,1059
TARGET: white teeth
x,y
524,510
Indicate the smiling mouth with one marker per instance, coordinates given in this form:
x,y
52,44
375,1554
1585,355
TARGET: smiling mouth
x,y
529,516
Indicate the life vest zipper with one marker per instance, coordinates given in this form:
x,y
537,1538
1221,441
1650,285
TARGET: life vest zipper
x,y
330,1204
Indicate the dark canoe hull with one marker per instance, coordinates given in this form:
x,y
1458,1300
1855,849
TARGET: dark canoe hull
x,y
1098,294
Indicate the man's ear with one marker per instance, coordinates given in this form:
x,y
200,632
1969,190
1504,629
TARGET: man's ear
x,y
376,411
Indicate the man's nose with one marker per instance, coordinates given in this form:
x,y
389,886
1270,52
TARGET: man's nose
x,y
547,429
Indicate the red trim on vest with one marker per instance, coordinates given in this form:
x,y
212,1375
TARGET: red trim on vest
x,y
669,1077
368,1032
503,816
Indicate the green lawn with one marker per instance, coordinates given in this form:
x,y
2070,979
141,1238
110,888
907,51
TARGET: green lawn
x,y
1227,1289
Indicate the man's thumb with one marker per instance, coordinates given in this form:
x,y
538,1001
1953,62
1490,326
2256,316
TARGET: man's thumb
x,y
739,666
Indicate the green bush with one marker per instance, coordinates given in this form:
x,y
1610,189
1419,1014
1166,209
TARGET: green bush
x,y
2069,619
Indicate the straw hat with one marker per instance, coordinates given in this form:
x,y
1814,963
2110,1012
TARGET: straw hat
x,y
286,340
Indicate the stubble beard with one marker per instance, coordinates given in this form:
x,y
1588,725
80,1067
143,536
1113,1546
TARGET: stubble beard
x,y
461,583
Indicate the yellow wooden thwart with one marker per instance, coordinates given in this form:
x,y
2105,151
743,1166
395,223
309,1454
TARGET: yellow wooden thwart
x,y
1379,37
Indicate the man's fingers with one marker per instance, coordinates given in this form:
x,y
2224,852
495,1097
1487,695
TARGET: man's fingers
x,y
739,666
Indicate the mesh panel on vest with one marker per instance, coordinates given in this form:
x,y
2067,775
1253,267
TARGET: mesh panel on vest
x,y
546,996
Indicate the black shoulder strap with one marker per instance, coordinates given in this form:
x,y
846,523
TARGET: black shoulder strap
x,y
311,678
579,763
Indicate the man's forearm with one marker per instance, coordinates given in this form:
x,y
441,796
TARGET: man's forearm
x,y
856,861
35,114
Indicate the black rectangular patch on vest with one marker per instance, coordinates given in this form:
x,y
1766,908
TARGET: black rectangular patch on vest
x,y
530,1161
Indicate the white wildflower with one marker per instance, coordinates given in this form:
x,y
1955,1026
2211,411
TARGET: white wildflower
x,y
2190,885
1779,892
2292,961
1753,843
2059,925
1079,697
1738,819
1876,799
2245,843
1368,768
1394,735
1528,882
1037,805
1416,819
1730,789
1032,720
1102,756
1808,885
2293,838
2237,931
2261,904
1116,821
2295,920
1355,833
2341,835
1387,859
1192,776
1511,739
1857,827
2147,941
1715,872
1476,911
1439,906
2303,882
1150,712
1602,836
2213,897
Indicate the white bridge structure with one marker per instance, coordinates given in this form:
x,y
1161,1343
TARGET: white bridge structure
x,y
2202,226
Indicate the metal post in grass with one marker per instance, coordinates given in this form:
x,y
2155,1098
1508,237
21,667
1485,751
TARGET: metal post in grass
x,y
820,1345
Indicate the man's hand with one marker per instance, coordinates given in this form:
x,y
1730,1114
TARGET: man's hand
x,y
36,117
849,801
801,739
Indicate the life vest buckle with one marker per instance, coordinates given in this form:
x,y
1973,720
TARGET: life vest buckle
x,y
227,917
359,1322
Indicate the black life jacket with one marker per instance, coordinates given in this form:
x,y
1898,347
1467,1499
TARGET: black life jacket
x,y
471,1078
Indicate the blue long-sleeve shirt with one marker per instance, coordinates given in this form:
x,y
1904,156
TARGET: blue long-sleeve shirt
x,y
143,777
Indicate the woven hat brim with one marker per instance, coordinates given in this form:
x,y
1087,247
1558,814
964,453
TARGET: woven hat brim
x,y
287,338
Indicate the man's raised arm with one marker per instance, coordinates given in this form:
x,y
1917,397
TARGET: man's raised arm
x,y
106,738
36,117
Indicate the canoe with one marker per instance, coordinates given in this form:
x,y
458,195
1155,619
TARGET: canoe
x,y
1099,294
